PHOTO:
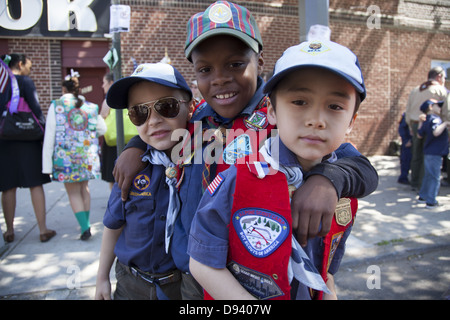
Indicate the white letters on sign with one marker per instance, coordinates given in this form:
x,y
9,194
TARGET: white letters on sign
x,y
60,17
59,12
31,13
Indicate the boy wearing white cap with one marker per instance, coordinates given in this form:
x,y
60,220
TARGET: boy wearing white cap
x,y
315,93
138,231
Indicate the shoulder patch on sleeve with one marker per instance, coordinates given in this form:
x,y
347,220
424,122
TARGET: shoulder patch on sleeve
x,y
215,184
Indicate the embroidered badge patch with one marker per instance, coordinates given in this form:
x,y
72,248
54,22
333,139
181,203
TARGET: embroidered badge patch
x,y
343,212
257,121
220,13
335,239
214,185
141,182
78,119
238,148
261,231
315,48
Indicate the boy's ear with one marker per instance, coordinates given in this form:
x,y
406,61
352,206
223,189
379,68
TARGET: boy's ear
x,y
352,122
271,114
191,107
260,63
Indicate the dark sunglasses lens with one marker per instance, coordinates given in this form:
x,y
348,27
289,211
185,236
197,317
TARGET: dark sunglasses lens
x,y
138,114
168,108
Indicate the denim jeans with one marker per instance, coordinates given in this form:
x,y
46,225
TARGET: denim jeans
x,y
431,180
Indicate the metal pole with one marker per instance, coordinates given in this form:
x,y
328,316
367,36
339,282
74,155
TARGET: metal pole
x,y
117,72
311,12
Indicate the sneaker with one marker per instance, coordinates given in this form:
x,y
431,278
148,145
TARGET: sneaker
x,y
421,200
86,235
434,205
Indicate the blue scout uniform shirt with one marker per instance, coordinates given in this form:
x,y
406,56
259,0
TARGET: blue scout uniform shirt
x,y
208,239
437,146
143,216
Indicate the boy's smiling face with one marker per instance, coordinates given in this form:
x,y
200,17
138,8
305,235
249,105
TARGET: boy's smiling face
x,y
226,70
314,111
157,130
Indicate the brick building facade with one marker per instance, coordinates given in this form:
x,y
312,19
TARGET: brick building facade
x,y
396,42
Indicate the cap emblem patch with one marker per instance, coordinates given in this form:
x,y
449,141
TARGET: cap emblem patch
x,y
139,69
315,48
220,13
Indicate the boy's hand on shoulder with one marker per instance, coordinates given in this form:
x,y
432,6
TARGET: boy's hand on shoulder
x,y
313,204
128,165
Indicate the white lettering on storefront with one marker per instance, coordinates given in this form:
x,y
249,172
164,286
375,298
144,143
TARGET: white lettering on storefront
x,y
60,15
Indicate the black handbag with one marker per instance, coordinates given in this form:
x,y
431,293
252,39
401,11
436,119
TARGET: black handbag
x,y
21,125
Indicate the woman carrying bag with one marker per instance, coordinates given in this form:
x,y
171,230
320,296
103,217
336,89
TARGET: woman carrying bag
x,y
21,161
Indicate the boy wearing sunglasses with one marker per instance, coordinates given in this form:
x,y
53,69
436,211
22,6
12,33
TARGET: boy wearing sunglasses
x,y
138,231
225,47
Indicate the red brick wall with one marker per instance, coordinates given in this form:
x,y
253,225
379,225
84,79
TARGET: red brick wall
x,y
394,58
155,29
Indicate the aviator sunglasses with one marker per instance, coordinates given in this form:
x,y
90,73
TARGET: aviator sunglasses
x,y
166,107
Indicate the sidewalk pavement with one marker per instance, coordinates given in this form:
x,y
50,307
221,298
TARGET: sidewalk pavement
x,y
398,249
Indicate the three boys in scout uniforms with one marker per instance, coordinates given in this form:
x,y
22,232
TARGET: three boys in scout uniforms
x,y
224,45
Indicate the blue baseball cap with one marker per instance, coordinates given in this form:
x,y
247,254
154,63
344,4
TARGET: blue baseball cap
x,y
426,105
320,54
161,73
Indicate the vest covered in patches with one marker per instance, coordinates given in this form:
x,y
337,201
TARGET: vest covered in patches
x,y
260,234
75,155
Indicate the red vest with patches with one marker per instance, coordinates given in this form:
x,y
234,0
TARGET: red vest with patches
x,y
260,234
258,258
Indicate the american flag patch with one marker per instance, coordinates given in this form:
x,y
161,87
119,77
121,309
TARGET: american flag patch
x,y
214,185
3,77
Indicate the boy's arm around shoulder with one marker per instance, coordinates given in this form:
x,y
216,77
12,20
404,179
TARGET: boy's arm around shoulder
x,y
352,175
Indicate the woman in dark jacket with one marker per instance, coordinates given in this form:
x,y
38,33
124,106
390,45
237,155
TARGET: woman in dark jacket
x,y
21,161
